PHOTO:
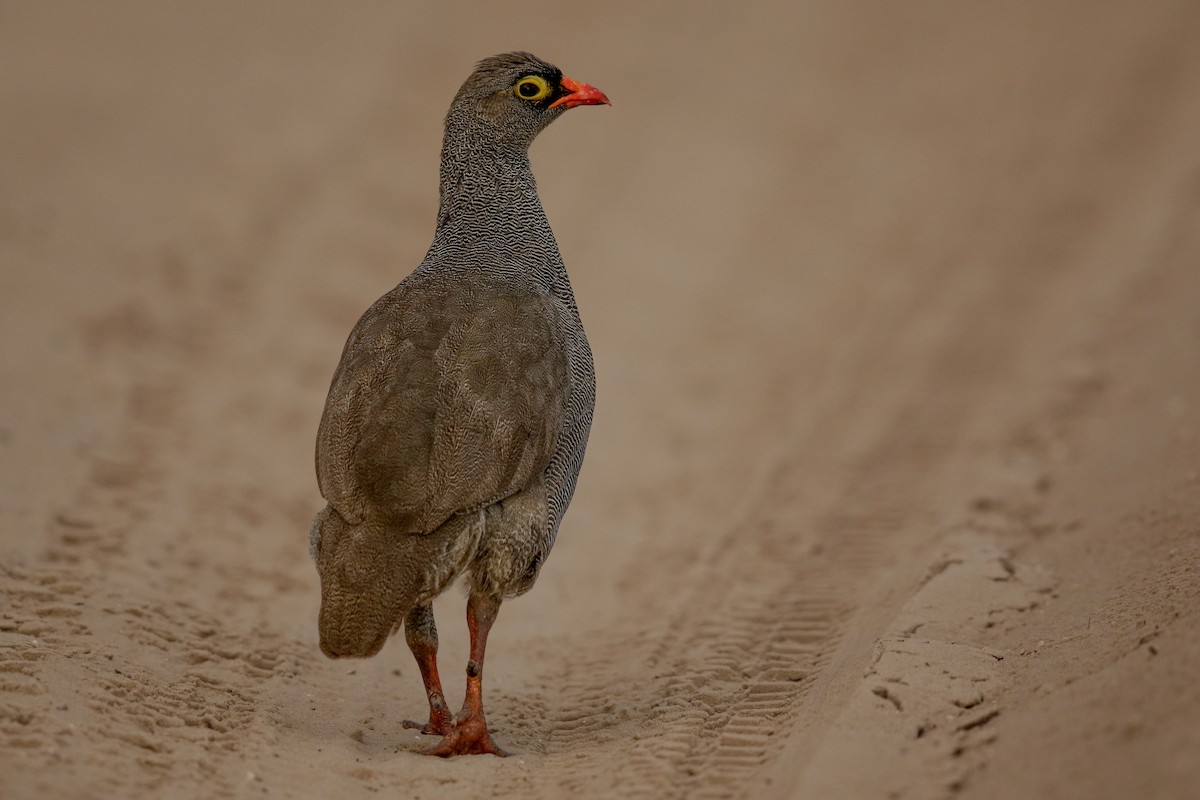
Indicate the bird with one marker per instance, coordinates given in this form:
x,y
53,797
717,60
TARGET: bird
x,y
458,415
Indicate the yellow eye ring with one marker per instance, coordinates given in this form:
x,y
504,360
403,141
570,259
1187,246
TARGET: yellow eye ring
x,y
532,88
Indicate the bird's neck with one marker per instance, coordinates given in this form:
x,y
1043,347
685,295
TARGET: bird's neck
x,y
490,216
479,190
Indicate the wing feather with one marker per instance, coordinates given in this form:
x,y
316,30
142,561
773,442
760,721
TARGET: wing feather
x,y
443,402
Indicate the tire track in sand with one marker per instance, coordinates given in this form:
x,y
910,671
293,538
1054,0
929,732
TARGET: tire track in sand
x,y
176,683
695,704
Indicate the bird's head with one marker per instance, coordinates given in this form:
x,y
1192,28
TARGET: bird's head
x,y
512,97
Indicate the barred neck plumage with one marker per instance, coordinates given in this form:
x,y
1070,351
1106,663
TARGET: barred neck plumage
x,y
489,215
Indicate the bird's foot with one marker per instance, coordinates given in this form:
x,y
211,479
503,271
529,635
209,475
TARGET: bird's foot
x,y
441,723
432,728
469,737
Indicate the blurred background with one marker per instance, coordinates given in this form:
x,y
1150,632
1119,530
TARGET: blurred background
x,y
826,252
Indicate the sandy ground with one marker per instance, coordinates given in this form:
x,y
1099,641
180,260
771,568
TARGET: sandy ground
x,y
894,485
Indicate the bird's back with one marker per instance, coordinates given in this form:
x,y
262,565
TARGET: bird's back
x,y
453,392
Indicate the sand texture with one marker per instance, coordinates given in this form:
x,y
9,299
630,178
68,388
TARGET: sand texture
x,y
893,489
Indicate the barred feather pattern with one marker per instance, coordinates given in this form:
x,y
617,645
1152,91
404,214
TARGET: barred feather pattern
x,y
490,219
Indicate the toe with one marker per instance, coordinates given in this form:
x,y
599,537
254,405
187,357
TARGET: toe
x,y
432,728
470,737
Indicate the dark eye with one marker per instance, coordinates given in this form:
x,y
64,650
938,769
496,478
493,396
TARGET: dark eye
x,y
532,87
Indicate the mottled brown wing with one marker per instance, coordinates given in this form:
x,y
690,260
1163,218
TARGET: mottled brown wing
x,y
444,401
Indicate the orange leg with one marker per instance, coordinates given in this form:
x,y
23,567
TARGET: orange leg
x,y
421,635
470,734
